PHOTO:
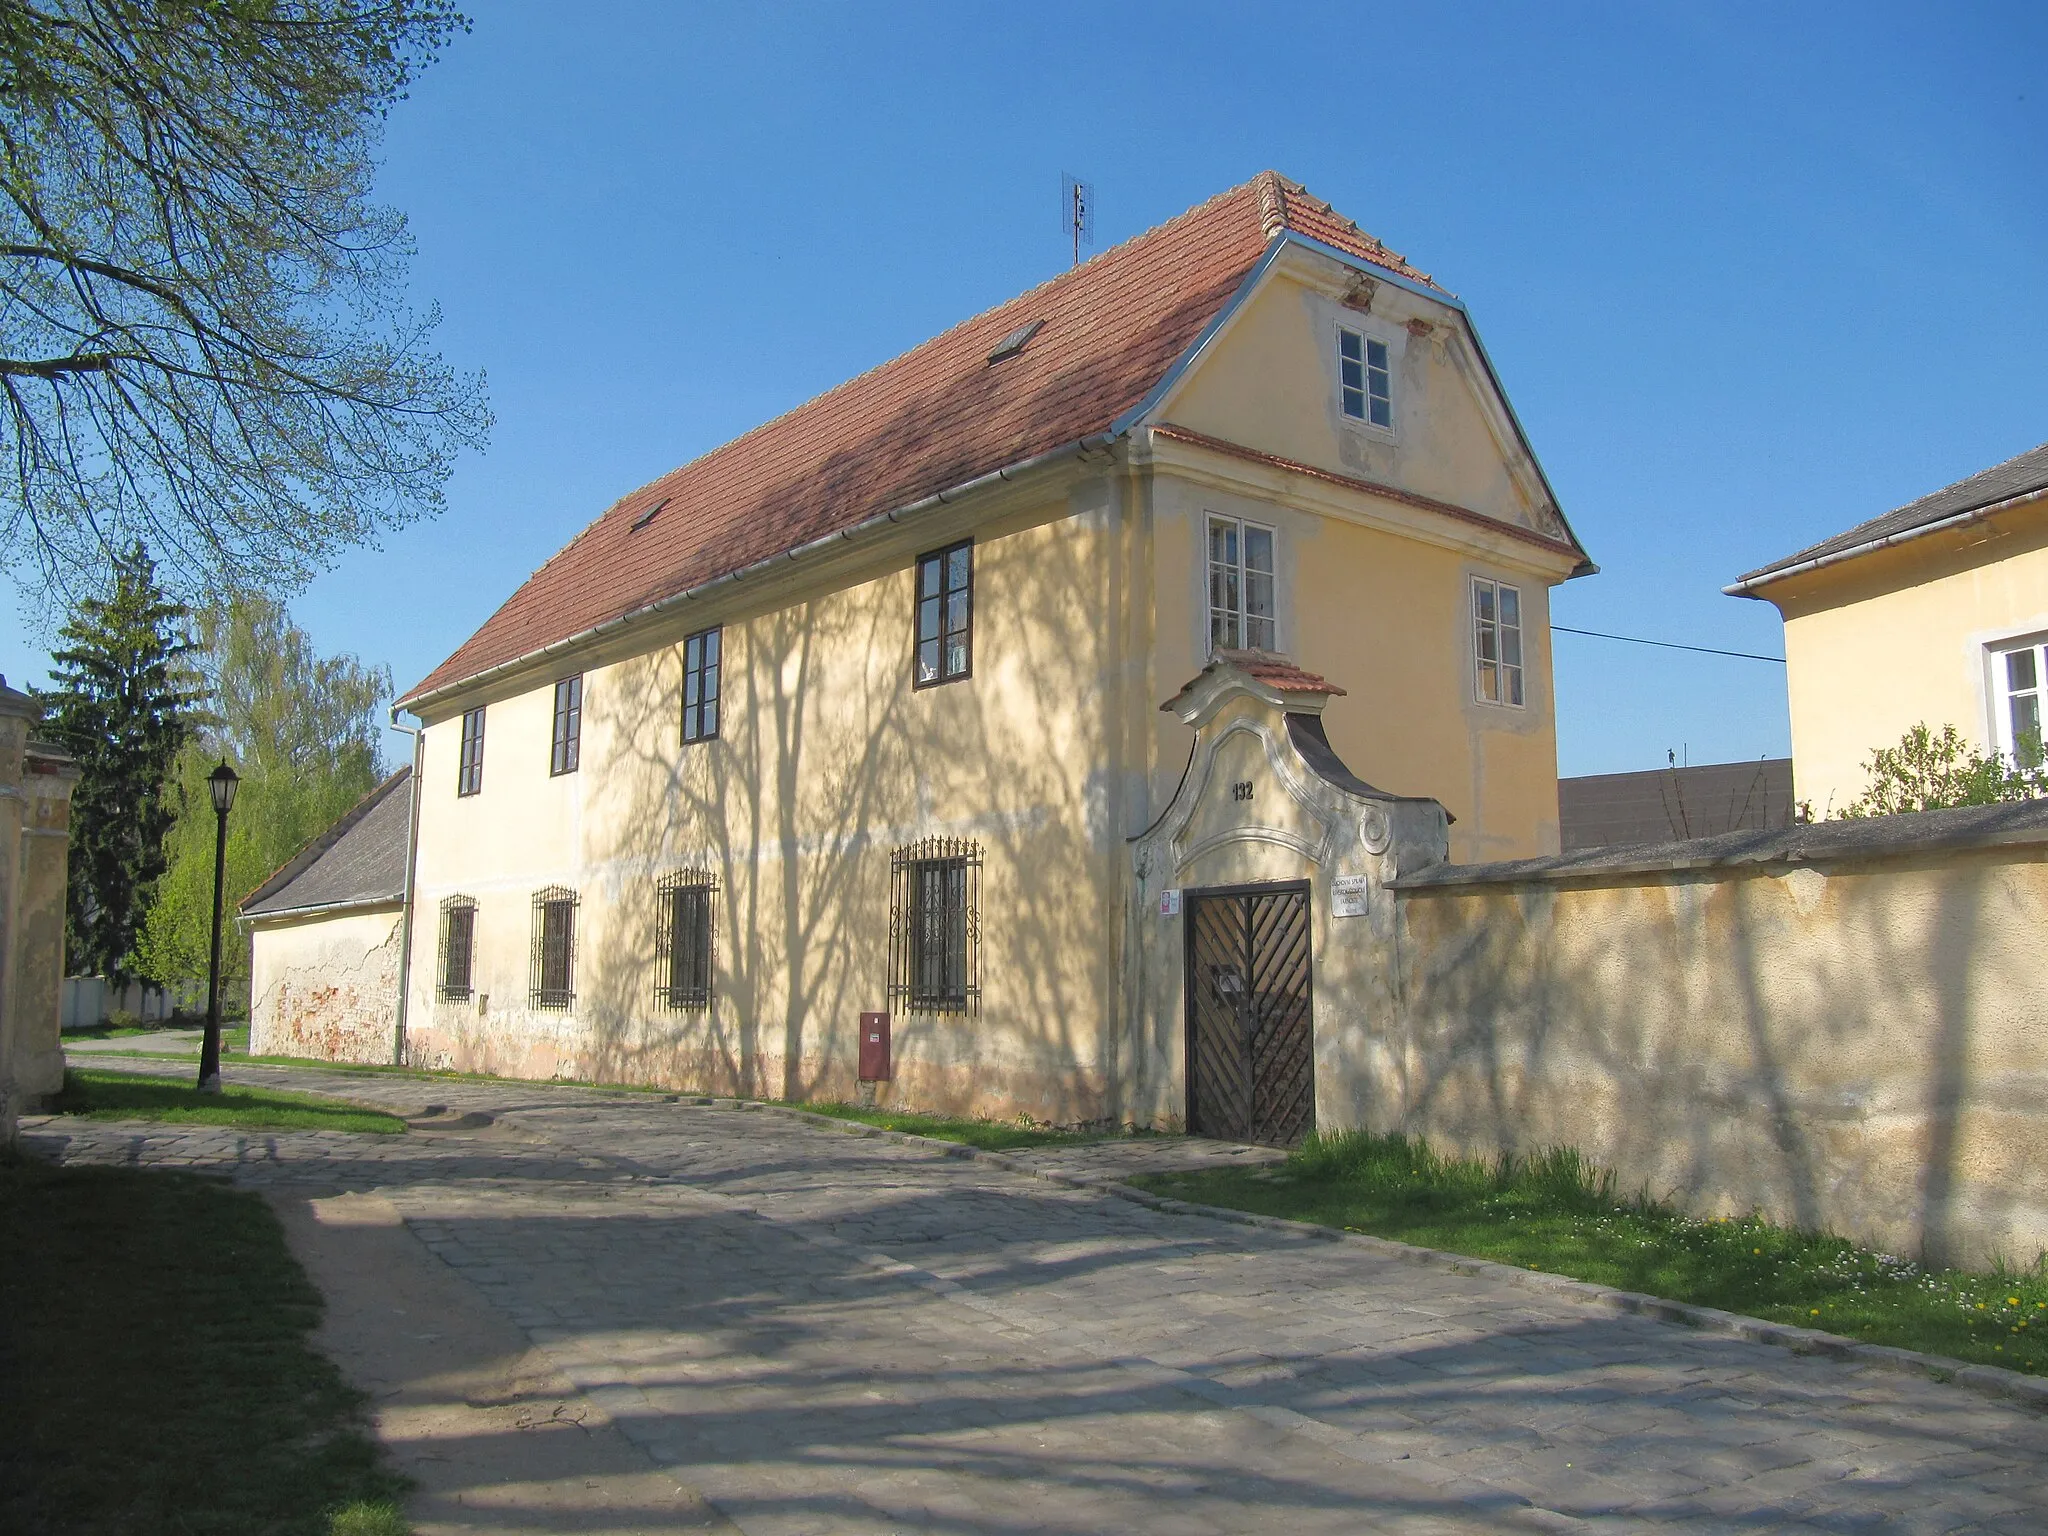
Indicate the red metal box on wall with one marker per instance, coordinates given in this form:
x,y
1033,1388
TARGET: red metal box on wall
x,y
874,1047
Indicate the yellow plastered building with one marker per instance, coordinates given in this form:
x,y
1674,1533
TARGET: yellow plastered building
x,y
859,716
1935,613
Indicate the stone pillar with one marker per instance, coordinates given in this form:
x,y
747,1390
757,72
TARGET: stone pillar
x,y
36,780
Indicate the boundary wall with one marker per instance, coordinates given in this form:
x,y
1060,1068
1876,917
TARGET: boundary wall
x,y
1843,1026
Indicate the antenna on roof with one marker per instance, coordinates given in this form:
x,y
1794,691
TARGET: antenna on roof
x,y
1077,206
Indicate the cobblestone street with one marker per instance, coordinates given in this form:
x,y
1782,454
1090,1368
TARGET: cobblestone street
x,y
822,1332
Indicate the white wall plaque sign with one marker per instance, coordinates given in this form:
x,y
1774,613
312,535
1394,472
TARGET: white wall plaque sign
x,y
1350,895
1169,903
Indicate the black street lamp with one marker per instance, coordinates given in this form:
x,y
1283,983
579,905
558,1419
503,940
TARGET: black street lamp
x,y
221,782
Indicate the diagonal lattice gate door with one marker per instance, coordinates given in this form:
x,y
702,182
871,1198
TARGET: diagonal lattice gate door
x,y
1251,1058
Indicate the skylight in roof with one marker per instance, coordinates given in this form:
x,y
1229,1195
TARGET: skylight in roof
x,y
649,515
1013,343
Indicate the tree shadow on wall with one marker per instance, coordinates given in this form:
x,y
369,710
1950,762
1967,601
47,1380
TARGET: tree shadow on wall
x,y
826,761
1734,1054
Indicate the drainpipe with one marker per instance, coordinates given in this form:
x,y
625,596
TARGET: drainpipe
x,y
412,845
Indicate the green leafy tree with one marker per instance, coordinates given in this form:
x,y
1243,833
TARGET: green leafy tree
x,y
1929,772
124,706
203,336
302,730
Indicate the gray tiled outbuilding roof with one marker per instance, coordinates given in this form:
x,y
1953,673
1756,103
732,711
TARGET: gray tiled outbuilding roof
x,y
2020,476
2014,823
357,862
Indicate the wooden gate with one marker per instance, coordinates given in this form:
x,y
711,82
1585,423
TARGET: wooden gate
x,y
1251,1046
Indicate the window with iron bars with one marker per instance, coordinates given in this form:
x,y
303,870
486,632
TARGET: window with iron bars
x,y
554,948
686,938
458,947
935,927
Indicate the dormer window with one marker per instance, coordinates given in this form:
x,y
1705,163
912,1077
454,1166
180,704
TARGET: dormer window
x,y
1365,380
1015,342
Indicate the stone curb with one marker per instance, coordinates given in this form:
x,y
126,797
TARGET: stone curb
x,y
1986,1380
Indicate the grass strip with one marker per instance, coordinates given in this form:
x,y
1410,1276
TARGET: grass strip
x,y
385,1069
98,1094
988,1135
234,1038
1553,1211
154,1338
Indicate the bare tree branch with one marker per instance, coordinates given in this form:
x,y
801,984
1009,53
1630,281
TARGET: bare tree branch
x,y
203,338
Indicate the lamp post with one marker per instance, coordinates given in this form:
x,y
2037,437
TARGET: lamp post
x,y
221,782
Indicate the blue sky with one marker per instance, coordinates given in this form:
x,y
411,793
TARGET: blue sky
x,y
1751,274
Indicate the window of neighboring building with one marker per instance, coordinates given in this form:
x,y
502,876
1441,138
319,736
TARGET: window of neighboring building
x,y
1365,386
1241,593
945,615
568,725
458,947
470,778
685,956
1497,641
2020,675
553,983
700,683
935,927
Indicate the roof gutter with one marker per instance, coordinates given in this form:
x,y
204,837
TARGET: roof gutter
x,y
880,522
351,904
1747,587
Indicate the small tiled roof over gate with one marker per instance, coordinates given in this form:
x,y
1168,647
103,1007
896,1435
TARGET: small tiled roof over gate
x,y
933,419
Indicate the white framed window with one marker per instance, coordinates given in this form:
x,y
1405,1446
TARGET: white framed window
x,y
1497,641
2019,676
1365,378
1243,601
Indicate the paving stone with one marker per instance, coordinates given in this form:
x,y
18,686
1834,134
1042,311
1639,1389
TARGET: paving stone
x,y
831,1332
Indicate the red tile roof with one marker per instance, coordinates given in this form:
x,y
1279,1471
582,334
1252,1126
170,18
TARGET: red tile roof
x,y
1276,671
934,418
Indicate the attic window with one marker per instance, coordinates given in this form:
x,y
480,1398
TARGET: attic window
x,y
649,515
1014,343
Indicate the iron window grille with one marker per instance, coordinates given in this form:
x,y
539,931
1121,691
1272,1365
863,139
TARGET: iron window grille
x,y
701,666
470,778
554,948
568,744
1365,386
1497,641
935,927
686,940
945,615
458,948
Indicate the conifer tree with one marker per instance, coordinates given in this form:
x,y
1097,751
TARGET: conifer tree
x,y
124,705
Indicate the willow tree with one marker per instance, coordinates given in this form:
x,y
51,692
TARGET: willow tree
x,y
303,731
204,341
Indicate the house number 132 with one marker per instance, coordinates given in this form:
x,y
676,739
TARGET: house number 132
x,y
1241,790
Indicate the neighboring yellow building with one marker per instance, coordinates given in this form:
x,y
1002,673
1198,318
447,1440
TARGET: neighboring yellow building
x,y
1936,612
861,712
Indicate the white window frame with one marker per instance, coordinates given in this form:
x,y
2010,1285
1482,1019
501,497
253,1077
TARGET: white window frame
x,y
1497,635
2003,694
1374,366
1239,573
